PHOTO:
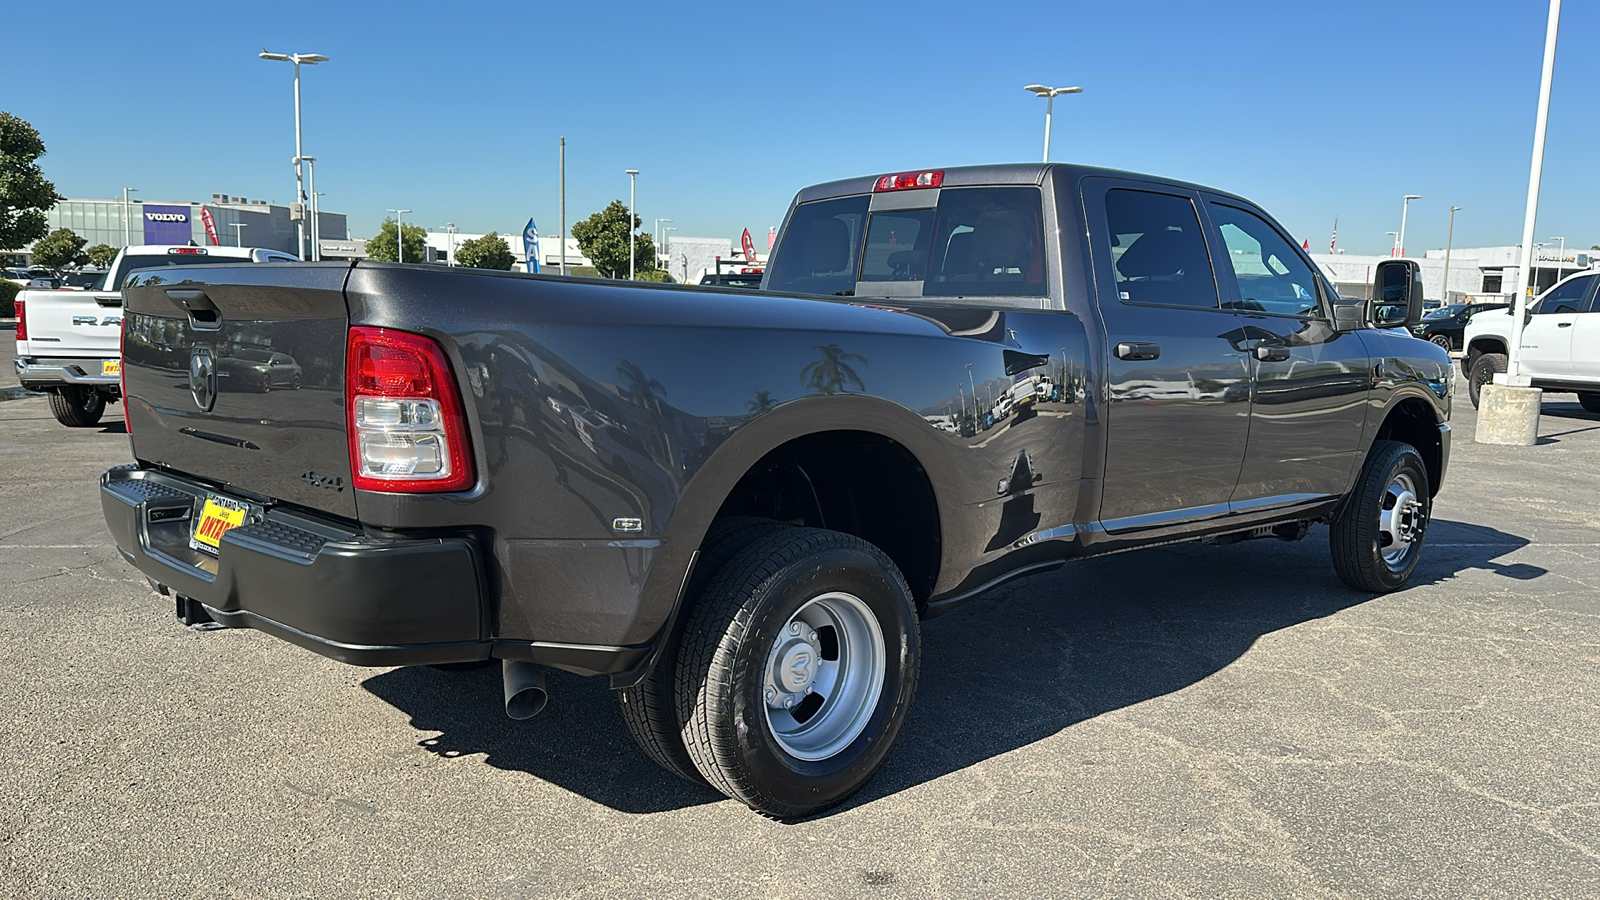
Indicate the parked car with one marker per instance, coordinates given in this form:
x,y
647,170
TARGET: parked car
x,y
745,541
1560,342
1445,325
67,341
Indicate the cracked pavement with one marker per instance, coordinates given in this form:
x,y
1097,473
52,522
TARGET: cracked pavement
x,y
1188,721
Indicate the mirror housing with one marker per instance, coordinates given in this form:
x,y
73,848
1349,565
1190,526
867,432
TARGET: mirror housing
x,y
1396,297
1349,315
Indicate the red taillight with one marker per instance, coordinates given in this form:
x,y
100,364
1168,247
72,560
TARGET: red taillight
x,y
403,411
22,320
122,371
906,181
188,250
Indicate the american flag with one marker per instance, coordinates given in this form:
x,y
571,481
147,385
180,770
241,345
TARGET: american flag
x,y
1333,242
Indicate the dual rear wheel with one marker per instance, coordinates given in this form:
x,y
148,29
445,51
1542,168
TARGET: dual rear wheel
x,y
793,674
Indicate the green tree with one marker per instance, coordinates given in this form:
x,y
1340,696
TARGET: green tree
x,y
101,255
833,373
760,403
382,247
59,249
25,194
487,252
603,237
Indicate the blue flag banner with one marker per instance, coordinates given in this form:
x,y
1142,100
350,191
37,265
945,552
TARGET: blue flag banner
x,y
530,245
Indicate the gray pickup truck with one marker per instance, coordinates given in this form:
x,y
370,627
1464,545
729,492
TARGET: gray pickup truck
x,y
738,505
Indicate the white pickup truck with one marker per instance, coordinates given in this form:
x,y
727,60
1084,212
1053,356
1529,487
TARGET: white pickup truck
x,y
68,341
1560,342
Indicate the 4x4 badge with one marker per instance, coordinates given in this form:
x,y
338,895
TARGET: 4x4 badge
x,y
203,378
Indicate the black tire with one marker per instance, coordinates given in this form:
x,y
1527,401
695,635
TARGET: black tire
x,y
727,659
77,407
1443,340
1590,402
649,708
1483,372
1357,538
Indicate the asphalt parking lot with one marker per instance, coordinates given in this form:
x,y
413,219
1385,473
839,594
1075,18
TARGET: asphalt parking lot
x,y
1190,721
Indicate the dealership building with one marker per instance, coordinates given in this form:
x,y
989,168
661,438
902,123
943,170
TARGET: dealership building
x,y
238,221
1477,274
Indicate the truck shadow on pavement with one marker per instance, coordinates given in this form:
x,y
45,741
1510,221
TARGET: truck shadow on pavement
x,y
1019,665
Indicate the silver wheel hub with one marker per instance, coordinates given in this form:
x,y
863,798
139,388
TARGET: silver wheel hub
x,y
824,676
1400,519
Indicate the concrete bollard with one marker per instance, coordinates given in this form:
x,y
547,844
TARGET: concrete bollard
x,y
1508,415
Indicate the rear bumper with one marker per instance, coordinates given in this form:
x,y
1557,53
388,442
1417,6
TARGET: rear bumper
x,y
37,373
311,582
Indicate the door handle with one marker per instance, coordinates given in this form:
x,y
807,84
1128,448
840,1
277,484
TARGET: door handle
x,y
1272,352
1563,324
1138,350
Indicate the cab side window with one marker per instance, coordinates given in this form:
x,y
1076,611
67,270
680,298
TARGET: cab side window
x,y
1272,277
1566,297
1158,252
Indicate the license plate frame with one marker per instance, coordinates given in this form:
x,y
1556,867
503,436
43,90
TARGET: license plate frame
x,y
215,516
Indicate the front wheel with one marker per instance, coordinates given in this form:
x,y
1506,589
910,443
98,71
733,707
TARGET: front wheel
x,y
1590,402
797,670
1442,340
77,407
1377,537
1483,372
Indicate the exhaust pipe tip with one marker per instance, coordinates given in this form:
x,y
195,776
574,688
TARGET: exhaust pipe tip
x,y
526,695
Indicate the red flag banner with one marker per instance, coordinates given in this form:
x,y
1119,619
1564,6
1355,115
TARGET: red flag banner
x,y
749,247
211,226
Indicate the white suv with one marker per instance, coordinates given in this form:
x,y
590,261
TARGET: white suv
x,y
1560,343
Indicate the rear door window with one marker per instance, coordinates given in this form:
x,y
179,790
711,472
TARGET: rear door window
x,y
1158,251
821,247
1567,297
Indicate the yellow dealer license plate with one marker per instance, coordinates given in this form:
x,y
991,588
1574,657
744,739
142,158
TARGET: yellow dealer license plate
x,y
111,367
215,519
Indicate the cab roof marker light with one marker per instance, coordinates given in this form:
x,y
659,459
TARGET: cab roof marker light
x,y
906,181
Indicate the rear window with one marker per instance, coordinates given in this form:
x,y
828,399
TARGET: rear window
x,y
132,264
977,242
820,248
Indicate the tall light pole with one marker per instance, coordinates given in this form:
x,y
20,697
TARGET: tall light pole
x,y
1449,239
1405,204
1049,94
563,205
1561,256
309,59
450,232
658,233
311,185
633,175
1394,245
1538,250
238,236
127,235
666,234
399,233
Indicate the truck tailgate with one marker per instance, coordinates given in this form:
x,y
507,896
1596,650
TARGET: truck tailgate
x,y
73,323
235,375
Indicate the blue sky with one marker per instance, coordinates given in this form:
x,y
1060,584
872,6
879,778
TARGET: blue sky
x,y
1314,110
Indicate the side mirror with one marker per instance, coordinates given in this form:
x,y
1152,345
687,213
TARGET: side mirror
x,y
1349,315
1396,297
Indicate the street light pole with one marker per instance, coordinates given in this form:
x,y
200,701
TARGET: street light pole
x,y
399,234
1448,241
1049,94
1405,203
658,233
1513,374
127,235
1394,245
563,206
633,175
1561,256
450,232
309,59
311,179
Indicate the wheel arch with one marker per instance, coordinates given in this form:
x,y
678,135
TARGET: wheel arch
x,y
1411,418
